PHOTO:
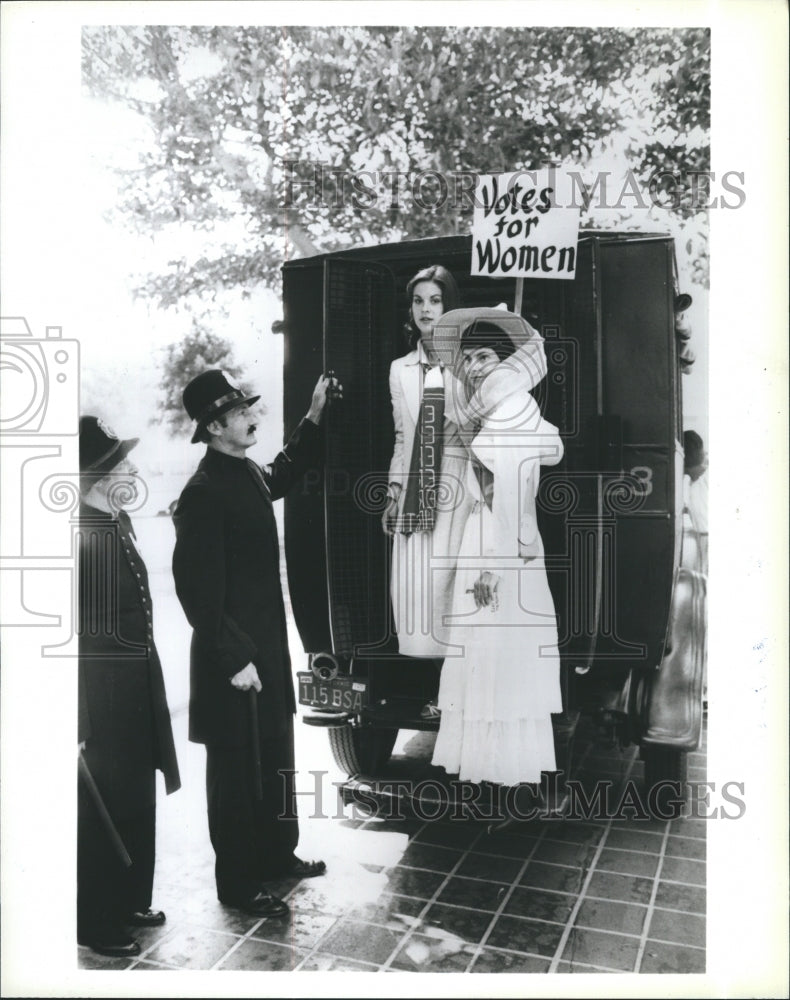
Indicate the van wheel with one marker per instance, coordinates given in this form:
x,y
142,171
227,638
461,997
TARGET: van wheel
x,y
666,781
361,751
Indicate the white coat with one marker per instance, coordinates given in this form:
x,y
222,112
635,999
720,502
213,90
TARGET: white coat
x,y
423,563
501,686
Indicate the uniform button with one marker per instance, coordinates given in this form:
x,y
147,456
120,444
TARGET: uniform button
x,y
138,576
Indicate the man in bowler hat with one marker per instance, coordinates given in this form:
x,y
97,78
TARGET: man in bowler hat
x,y
226,565
124,723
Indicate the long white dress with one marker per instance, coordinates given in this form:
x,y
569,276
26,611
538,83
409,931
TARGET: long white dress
x,y
423,563
499,688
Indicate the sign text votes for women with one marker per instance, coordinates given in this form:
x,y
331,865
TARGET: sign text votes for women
x,y
526,225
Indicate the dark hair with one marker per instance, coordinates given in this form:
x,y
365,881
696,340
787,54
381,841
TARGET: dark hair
x,y
450,297
694,449
486,333
204,437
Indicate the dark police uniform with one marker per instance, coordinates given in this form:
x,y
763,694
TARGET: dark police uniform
x,y
226,566
123,720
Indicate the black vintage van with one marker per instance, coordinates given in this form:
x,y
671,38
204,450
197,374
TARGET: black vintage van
x,y
630,615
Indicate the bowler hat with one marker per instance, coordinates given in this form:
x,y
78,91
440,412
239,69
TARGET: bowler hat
x,y
100,447
209,395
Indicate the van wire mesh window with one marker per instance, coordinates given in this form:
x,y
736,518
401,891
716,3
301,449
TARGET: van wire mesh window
x,y
359,333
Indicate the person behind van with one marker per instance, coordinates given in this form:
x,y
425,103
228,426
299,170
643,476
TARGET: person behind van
x,y
695,490
497,696
426,508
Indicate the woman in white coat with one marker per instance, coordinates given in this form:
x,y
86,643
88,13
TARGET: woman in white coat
x,y
426,542
498,692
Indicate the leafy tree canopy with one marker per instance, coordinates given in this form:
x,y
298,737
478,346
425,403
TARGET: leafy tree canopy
x,y
272,128
200,349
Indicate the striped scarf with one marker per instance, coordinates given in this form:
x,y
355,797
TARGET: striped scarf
x,y
419,505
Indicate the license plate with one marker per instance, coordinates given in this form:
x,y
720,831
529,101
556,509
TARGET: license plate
x,y
341,694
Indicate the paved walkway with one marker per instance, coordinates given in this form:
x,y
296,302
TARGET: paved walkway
x,y
623,895
620,895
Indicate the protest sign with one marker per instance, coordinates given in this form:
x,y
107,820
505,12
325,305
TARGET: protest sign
x,y
525,224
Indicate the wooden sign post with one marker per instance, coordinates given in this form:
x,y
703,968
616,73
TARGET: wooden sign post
x,y
519,298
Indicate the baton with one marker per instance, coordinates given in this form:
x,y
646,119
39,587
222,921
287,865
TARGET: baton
x,y
256,745
101,808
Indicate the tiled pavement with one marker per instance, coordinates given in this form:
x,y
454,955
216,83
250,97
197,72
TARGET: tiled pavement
x,y
567,896
625,895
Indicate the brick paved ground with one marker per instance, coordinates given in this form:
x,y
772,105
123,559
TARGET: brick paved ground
x,y
541,896
443,896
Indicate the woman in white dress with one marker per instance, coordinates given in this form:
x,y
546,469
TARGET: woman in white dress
x,y
498,692
425,543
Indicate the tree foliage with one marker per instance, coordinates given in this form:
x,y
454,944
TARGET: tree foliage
x,y
200,349
272,127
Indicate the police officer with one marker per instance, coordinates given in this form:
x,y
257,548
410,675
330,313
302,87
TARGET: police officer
x,y
226,565
124,722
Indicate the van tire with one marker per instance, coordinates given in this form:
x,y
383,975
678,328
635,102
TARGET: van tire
x,y
361,751
665,764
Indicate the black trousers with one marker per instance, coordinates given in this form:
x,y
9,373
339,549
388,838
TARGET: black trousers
x,y
107,892
253,839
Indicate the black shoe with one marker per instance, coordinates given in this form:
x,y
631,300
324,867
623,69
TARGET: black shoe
x,y
262,904
146,918
306,869
296,868
116,945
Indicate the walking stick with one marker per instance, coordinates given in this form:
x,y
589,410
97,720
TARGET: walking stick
x,y
101,808
256,745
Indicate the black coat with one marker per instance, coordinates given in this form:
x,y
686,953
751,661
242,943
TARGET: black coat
x,y
226,566
123,715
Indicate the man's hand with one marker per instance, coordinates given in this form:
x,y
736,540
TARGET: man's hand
x,y
486,590
247,678
320,397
